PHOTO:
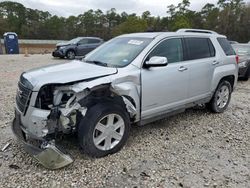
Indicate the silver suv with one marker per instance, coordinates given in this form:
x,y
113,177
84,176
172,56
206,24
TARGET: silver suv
x,y
132,79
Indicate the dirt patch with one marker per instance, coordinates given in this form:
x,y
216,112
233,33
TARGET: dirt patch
x,y
37,48
34,48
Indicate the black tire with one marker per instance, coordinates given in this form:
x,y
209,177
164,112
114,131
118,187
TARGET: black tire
x,y
87,128
212,105
71,54
247,74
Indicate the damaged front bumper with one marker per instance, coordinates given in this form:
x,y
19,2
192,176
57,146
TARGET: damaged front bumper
x,y
49,155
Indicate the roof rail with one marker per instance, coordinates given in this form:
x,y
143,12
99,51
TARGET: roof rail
x,y
196,31
9,33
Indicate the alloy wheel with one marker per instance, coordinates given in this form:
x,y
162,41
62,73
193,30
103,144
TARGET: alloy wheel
x,y
109,132
223,96
71,55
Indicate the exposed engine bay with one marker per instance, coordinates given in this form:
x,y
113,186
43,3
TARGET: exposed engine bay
x,y
66,104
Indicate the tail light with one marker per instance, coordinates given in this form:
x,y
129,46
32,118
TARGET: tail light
x,y
237,59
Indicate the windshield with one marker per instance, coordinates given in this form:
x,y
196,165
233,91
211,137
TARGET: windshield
x,y
74,41
119,52
242,50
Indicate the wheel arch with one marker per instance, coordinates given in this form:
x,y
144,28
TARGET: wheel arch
x,y
105,94
230,79
226,72
70,49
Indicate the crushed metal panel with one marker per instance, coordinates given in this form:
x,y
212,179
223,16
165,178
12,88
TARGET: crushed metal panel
x,y
84,85
130,107
67,111
129,89
133,79
37,121
123,86
129,85
50,156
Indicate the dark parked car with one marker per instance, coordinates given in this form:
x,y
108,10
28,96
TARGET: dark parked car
x,y
233,42
79,46
243,51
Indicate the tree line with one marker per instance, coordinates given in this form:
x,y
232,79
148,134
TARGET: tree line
x,y
228,17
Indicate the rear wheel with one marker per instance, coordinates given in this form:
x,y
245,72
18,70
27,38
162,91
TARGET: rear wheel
x,y
104,129
221,98
246,76
71,54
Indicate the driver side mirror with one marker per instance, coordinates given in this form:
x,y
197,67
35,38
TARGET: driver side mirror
x,y
156,61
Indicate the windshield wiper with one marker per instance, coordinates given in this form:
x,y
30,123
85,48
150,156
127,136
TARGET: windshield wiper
x,y
97,63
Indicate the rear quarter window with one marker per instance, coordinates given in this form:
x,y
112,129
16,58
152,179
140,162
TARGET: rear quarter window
x,y
199,48
226,46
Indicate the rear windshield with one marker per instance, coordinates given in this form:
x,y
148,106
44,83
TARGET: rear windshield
x,y
226,46
242,49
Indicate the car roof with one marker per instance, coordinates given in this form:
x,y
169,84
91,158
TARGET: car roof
x,y
168,34
143,35
196,31
9,33
89,38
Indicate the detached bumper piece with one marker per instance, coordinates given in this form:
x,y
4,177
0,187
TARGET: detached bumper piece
x,y
49,156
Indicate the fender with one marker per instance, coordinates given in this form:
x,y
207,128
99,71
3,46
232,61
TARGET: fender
x,y
223,71
127,90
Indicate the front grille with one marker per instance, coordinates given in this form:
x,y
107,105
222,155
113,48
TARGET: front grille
x,y
23,97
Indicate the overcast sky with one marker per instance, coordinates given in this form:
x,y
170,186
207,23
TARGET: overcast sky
x,y
74,7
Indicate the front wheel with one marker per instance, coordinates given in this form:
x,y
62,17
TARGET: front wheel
x,y
71,54
104,129
221,98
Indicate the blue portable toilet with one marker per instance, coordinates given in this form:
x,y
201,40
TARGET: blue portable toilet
x,y
1,50
11,43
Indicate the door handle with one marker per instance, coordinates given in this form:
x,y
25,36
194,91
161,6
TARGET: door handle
x,y
181,69
215,62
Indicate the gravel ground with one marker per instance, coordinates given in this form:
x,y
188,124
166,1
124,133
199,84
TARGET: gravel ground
x,y
192,149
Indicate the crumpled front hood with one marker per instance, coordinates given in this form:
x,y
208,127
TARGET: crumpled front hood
x,y
63,44
66,73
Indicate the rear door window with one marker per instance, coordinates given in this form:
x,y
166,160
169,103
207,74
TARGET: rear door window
x,y
83,41
226,46
199,48
93,41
